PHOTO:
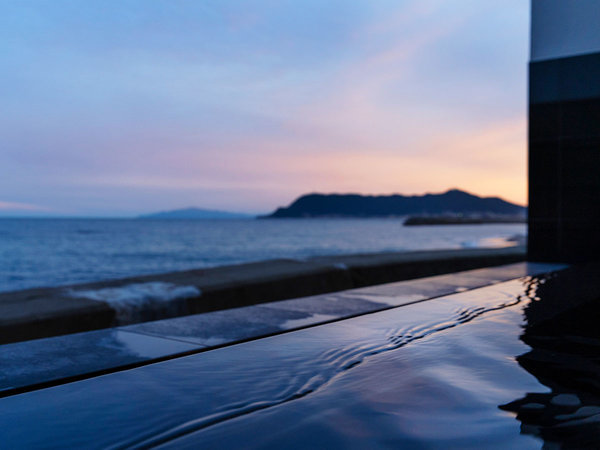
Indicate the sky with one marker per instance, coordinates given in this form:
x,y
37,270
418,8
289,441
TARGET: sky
x,y
117,108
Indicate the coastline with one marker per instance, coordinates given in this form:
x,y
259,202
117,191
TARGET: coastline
x,y
44,312
412,221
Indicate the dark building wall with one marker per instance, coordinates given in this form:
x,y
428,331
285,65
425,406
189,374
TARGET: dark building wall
x,y
564,158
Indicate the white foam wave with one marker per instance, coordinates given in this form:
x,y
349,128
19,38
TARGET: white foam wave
x,y
135,297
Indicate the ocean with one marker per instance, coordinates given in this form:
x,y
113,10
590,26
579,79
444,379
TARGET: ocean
x,y
55,252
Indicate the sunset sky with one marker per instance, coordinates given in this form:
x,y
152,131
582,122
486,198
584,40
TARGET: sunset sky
x,y
124,107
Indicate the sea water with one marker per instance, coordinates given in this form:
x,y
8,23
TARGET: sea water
x,y
54,252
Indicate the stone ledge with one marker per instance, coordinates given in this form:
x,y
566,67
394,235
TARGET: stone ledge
x,y
42,363
45,312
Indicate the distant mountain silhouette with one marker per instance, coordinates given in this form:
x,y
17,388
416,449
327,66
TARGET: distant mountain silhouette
x,y
196,213
451,202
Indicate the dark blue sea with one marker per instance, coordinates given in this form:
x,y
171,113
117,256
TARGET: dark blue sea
x,y
54,252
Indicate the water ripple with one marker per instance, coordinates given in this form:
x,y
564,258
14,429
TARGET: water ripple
x,y
314,375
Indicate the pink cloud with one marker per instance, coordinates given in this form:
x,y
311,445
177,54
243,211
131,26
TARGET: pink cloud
x,y
15,206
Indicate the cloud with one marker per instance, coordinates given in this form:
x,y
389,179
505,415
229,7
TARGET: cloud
x,y
224,105
15,206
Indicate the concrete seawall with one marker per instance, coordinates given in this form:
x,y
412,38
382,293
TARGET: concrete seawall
x,y
44,312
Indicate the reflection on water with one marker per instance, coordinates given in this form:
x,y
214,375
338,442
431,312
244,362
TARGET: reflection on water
x,y
565,356
311,375
428,375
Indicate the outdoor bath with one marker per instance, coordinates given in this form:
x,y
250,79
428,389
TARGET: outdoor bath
x,y
459,371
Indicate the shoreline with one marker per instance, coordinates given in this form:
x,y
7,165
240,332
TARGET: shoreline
x,y
413,221
44,312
